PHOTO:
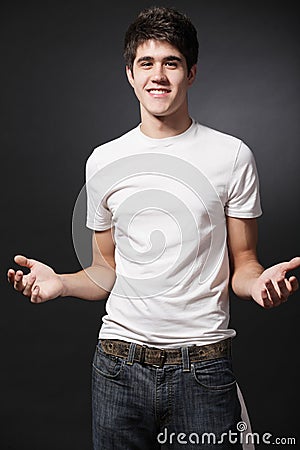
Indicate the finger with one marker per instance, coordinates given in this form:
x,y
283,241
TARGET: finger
x,y
294,283
273,295
23,261
283,290
19,284
294,263
266,302
28,288
11,276
35,295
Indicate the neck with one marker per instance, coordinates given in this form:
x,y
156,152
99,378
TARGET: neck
x,y
159,127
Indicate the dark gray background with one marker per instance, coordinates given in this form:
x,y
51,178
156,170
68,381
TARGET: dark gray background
x,y
64,92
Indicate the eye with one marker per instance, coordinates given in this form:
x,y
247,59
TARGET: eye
x,y
146,64
171,64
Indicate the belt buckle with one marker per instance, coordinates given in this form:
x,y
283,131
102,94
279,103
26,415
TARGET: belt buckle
x,y
162,357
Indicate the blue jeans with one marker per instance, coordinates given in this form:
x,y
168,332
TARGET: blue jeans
x,y
143,407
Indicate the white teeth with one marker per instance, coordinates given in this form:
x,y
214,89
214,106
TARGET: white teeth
x,y
158,91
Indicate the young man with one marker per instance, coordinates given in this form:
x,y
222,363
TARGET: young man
x,y
168,202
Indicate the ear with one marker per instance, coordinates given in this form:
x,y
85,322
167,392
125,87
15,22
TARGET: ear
x,y
192,74
130,76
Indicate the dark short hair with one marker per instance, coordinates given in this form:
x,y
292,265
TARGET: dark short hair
x,y
162,24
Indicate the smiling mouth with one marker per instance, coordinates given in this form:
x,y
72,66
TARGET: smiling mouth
x,y
158,91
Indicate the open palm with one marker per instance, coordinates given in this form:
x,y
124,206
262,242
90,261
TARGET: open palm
x,y
272,287
40,284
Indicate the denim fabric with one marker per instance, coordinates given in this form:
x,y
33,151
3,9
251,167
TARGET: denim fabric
x,y
142,407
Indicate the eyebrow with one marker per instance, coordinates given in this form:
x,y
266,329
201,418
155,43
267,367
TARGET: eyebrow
x,y
167,58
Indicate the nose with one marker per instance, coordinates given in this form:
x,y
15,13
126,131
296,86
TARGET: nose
x,y
158,74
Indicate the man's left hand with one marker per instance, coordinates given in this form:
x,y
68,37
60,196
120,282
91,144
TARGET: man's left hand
x,y
272,287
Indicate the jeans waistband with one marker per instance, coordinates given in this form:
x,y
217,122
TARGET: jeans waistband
x,y
158,357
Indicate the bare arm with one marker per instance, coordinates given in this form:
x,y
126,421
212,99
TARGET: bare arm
x,y
268,287
96,281
92,283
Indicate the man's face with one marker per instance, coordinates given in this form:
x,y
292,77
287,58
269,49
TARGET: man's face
x,y
160,79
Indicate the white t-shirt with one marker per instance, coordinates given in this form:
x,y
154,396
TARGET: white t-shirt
x,y
167,201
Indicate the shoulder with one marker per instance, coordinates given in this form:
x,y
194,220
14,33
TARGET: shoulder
x,y
218,138
221,144
111,150
115,144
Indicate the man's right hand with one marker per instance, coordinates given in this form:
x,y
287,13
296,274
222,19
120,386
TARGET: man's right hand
x,y
40,284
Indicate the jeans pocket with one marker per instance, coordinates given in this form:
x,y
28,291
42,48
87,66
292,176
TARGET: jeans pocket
x,y
107,365
215,374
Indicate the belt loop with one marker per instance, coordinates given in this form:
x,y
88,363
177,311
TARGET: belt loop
x,y
185,359
229,348
131,352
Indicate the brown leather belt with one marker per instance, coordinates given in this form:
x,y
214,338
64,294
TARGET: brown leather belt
x,y
160,356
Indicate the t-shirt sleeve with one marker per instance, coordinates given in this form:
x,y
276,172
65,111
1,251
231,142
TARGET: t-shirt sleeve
x,y
99,217
243,199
